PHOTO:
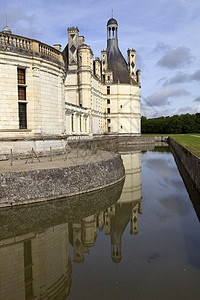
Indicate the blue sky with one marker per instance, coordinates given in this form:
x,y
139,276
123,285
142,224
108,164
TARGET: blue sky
x,y
165,34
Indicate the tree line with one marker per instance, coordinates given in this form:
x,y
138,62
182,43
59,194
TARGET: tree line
x,y
176,124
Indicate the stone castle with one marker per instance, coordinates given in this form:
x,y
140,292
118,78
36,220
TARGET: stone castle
x,y
46,92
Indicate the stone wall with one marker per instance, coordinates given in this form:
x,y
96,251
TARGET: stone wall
x,y
190,162
123,109
44,94
25,187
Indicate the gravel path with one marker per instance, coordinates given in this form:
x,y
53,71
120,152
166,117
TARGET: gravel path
x,y
58,161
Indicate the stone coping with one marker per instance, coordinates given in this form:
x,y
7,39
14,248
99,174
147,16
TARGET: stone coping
x,y
23,45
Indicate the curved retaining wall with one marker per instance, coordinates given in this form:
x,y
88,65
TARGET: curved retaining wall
x,y
40,185
190,162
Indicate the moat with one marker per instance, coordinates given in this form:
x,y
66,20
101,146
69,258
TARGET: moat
x,y
138,239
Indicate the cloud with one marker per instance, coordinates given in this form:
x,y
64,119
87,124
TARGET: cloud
x,y
188,110
20,22
181,77
184,110
162,96
152,112
175,58
196,76
197,99
161,46
178,78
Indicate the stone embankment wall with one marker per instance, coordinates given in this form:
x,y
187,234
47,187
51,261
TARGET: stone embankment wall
x,y
190,162
32,186
22,146
115,143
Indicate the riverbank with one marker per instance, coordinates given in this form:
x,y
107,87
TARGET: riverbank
x,y
75,174
189,160
191,141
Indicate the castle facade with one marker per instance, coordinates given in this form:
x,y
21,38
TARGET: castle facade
x,y
48,92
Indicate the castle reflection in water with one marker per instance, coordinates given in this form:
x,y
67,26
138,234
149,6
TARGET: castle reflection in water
x,y
34,240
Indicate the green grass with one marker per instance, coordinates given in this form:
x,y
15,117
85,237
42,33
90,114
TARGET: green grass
x,y
155,134
191,141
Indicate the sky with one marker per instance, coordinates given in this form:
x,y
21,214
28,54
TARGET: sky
x,y
164,33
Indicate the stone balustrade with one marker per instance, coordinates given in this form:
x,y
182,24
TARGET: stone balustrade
x,y
11,42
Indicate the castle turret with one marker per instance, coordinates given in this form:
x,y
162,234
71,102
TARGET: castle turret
x,y
116,61
85,70
112,28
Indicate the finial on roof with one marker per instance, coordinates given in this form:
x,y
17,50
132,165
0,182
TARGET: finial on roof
x,y
6,29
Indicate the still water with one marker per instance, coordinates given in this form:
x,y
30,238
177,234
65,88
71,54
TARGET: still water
x,y
137,240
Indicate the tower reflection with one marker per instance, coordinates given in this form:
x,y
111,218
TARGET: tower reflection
x,y
115,218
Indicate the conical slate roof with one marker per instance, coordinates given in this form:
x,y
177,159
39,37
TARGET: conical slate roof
x,y
116,62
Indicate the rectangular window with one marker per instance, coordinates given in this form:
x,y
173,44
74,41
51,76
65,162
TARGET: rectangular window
x,y
21,76
108,129
22,116
120,106
108,90
108,78
21,93
108,110
108,120
80,123
21,80
108,101
72,122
